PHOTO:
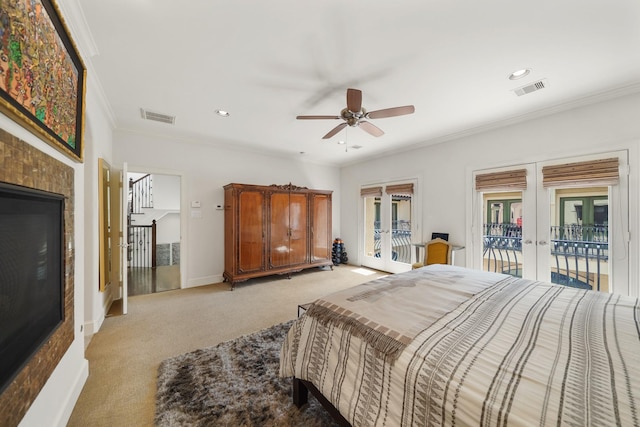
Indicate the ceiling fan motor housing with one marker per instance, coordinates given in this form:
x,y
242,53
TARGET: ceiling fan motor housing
x,y
351,117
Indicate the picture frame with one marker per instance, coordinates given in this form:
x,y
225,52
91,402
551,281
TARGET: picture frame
x,y
42,76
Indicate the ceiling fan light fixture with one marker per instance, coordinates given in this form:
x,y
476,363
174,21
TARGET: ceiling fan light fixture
x,y
353,115
222,113
518,74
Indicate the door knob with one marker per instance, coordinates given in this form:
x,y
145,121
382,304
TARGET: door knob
x,y
542,243
527,242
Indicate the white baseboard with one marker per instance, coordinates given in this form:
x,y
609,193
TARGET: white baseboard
x,y
74,394
201,281
55,402
93,326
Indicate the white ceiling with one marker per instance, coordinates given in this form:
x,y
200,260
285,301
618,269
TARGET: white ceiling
x,y
268,61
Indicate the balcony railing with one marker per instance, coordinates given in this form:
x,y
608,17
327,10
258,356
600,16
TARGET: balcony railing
x,y
579,254
503,254
400,240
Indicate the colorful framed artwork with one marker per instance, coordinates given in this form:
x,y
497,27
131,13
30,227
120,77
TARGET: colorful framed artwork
x,y
42,77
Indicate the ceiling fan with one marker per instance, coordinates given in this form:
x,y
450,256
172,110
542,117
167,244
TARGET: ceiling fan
x,y
354,115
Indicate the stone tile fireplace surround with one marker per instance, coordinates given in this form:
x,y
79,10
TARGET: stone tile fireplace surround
x,y
23,164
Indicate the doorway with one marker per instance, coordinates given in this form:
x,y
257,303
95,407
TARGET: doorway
x,y
154,233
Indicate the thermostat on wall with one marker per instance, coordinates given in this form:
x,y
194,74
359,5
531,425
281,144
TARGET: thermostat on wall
x,y
195,204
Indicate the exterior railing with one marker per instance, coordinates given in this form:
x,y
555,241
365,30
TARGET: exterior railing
x,y
579,253
581,233
400,240
503,254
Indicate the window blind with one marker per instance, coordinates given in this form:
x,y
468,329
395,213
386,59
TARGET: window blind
x,y
371,192
600,172
399,189
515,179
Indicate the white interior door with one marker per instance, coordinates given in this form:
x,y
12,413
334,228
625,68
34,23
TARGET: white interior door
x,y
124,245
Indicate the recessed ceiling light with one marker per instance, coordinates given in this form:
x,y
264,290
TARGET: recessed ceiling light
x,y
222,113
340,142
519,74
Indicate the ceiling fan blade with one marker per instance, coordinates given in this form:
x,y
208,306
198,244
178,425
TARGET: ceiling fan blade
x,y
370,128
317,117
335,130
354,100
391,112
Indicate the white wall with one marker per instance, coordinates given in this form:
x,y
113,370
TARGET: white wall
x,y
443,170
168,228
98,134
205,169
166,192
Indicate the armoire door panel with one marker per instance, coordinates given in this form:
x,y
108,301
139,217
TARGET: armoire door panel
x,y
298,243
279,213
251,231
320,227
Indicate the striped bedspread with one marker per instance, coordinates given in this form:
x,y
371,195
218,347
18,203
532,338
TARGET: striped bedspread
x,y
515,352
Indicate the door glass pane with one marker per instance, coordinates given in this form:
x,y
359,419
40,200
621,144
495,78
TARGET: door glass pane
x,y
497,212
372,227
601,212
580,238
572,212
502,233
401,228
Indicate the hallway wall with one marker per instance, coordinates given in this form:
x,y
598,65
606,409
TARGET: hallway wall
x,y
206,168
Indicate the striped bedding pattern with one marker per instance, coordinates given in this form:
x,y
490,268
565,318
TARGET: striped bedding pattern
x,y
517,353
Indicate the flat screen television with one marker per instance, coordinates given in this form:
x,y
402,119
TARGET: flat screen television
x,y
31,274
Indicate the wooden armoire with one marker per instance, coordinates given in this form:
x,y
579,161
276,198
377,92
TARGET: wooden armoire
x,y
276,229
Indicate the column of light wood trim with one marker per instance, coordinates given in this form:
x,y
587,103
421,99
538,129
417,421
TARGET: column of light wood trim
x,y
371,192
399,189
595,172
515,179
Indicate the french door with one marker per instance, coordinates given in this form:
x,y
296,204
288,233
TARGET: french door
x,y
566,224
122,232
388,224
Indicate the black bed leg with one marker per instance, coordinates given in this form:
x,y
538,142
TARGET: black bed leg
x,y
300,393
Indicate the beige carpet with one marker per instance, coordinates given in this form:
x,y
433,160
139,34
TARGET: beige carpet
x,y
125,354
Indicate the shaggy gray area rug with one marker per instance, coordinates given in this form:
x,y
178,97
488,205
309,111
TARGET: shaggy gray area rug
x,y
235,383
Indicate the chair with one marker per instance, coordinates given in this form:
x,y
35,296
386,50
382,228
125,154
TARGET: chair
x,y
436,251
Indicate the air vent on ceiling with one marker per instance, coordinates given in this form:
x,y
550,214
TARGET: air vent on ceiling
x,y
356,147
531,87
157,117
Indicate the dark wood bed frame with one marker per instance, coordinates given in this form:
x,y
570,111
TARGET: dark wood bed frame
x,y
300,394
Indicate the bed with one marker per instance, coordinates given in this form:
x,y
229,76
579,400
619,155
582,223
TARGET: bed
x,y
446,345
